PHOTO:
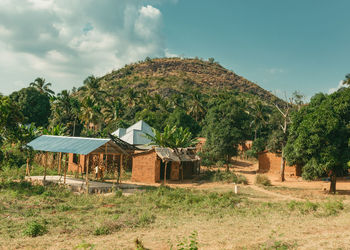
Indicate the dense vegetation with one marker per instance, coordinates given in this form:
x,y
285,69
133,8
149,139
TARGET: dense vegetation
x,y
198,95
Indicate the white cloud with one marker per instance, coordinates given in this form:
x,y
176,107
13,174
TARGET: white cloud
x,y
65,41
274,71
340,85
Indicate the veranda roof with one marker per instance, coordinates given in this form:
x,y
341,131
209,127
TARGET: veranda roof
x,y
76,145
185,154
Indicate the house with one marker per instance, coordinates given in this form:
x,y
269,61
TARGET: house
x,y
271,163
149,166
135,134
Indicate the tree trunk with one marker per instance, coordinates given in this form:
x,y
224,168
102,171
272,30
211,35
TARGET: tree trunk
x,y
332,188
228,164
283,164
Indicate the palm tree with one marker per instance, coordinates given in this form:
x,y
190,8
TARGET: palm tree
x,y
173,138
41,85
90,112
197,108
113,112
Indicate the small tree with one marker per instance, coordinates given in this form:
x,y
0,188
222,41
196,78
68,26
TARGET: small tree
x,y
174,138
319,136
226,126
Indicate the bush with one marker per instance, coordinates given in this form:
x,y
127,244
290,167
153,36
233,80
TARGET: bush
x,y
102,231
262,180
223,176
35,229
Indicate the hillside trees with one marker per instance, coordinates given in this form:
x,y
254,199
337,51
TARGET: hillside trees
x,y
34,105
319,136
66,110
226,126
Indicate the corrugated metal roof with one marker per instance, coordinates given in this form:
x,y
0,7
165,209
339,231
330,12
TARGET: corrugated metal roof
x,y
65,144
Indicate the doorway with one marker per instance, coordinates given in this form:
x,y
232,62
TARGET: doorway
x,y
162,168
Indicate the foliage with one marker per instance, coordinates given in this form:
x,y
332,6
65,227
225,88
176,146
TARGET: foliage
x,y
35,229
262,180
34,105
179,118
319,135
42,86
223,176
10,117
189,244
258,146
226,126
173,137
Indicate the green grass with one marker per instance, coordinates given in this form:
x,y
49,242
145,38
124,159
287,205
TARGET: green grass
x,y
28,210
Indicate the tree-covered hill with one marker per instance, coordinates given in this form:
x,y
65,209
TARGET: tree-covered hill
x,y
168,75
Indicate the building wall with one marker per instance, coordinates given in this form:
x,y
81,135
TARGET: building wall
x,y
145,168
271,163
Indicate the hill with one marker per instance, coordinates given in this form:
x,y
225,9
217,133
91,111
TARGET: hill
x,y
168,75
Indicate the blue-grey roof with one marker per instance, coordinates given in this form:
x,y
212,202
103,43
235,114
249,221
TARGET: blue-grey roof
x,y
135,134
65,144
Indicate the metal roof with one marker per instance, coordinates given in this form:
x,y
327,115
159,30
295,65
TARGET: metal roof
x,y
65,144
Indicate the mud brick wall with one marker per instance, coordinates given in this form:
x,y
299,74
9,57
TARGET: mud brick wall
x,y
145,168
271,163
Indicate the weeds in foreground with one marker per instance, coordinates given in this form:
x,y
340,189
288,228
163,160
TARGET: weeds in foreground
x,y
34,229
223,176
189,244
262,180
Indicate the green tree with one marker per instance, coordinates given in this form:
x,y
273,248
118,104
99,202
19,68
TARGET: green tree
x,y
319,136
66,110
179,118
42,86
34,105
226,126
173,138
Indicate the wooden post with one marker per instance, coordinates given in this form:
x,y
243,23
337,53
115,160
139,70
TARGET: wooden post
x,y
27,169
121,167
59,163
106,160
45,167
165,167
87,174
65,169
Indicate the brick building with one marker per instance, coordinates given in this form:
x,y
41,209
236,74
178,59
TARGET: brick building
x,y
149,166
271,163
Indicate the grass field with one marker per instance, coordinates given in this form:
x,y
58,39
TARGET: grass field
x,y
167,218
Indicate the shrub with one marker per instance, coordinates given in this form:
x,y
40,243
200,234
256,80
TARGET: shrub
x,y
189,244
262,180
34,229
223,176
145,219
332,208
219,164
103,230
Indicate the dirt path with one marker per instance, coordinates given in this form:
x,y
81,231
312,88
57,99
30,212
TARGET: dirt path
x,y
274,194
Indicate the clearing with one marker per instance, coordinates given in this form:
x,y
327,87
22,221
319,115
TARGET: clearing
x,y
294,214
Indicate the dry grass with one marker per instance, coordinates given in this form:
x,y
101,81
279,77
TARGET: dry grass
x,y
163,217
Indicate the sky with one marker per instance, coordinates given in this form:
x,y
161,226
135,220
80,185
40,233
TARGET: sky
x,y
283,46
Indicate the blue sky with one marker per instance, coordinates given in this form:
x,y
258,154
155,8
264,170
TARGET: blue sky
x,y
283,46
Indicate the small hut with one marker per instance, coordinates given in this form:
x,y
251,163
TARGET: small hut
x,y
271,163
149,166
84,153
